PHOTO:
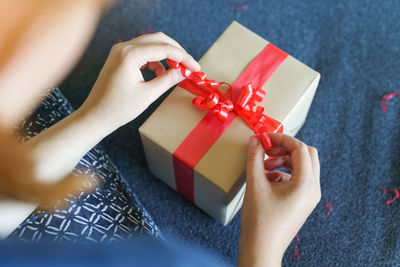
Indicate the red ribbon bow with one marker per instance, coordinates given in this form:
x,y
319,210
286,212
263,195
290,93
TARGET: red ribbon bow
x,y
209,97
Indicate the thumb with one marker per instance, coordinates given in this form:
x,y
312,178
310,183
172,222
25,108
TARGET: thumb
x,y
163,82
255,171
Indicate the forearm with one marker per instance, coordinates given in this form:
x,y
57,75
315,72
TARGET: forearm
x,y
58,149
55,152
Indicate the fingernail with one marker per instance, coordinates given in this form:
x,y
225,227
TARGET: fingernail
x,y
198,65
254,141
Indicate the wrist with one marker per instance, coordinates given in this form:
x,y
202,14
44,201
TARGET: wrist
x,y
94,121
258,250
68,140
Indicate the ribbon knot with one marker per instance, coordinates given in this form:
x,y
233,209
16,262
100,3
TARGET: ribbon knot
x,y
219,107
210,97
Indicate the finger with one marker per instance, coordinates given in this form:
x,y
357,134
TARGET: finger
x,y
143,53
157,67
315,163
278,162
255,172
163,82
301,160
157,37
277,176
276,151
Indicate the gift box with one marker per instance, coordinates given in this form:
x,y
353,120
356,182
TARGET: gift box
x,y
199,149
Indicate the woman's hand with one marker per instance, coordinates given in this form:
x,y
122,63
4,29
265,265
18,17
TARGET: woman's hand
x,y
118,96
120,93
276,204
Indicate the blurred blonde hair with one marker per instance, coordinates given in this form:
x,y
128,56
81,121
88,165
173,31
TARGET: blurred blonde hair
x,y
18,16
17,181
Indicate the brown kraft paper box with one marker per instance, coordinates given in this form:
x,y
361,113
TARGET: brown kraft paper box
x,y
219,177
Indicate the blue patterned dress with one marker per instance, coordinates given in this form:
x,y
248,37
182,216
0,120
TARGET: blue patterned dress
x,y
111,212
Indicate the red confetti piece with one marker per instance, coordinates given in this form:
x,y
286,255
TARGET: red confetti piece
x,y
296,251
386,98
239,6
119,40
328,205
144,31
395,192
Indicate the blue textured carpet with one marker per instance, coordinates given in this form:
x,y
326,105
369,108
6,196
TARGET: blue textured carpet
x,y
355,47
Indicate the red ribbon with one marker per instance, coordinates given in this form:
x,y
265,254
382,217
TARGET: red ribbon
x,y
240,99
209,97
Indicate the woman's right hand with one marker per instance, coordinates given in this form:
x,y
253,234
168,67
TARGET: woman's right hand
x,y
276,204
120,93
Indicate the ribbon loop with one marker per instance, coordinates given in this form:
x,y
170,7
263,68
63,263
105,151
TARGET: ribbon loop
x,y
259,95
